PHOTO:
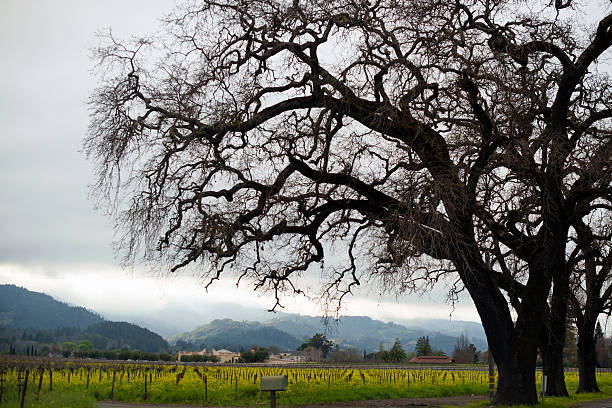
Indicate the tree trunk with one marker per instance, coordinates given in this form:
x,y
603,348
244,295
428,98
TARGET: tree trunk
x,y
516,384
587,357
553,337
513,349
513,346
552,368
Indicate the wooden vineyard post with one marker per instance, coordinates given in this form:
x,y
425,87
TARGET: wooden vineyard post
x,y
50,379
25,386
205,388
87,386
2,374
42,372
113,386
19,382
145,394
236,389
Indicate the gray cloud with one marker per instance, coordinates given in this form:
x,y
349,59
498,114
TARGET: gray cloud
x,y
45,80
48,227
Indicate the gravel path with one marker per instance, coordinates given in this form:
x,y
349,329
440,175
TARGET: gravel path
x,y
395,403
605,403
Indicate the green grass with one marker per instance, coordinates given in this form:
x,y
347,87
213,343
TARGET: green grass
x,y
571,381
67,398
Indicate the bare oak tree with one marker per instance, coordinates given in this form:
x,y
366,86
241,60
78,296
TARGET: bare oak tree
x,y
257,138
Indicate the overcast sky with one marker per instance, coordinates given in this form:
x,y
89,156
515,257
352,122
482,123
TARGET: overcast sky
x,y
51,238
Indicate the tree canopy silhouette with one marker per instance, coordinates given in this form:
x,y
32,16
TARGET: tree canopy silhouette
x,y
423,137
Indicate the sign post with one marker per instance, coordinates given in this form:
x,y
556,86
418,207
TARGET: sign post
x,y
273,383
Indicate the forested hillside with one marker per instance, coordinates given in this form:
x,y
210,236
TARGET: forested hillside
x,y
21,308
32,320
365,333
288,331
224,333
122,334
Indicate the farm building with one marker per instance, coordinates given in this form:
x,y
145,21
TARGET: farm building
x,y
285,358
192,353
225,356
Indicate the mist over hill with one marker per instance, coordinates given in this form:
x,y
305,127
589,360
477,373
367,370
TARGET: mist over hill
x,y
287,331
28,318
365,333
231,334
23,309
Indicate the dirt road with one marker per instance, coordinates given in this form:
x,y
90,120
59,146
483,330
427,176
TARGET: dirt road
x,y
395,403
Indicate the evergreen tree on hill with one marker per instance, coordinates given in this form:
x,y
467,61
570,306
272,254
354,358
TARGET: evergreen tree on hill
x,y
397,353
422,347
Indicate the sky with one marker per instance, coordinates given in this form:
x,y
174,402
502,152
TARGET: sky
x,y
52,239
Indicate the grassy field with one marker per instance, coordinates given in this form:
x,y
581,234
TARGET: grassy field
x,y
81,384
571,381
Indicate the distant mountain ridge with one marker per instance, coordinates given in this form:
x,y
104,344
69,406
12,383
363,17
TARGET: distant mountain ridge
x,y
224,333
43,319
365,333
287,331
24,309
121,335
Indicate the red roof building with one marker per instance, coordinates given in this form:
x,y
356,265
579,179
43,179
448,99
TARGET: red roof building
x,y
431,360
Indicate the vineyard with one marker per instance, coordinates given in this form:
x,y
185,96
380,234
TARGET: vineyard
x,y
47,383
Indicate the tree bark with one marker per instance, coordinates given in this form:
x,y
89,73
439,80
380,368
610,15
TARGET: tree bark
x,y
552,368
516,384
512,348
587,356
553,341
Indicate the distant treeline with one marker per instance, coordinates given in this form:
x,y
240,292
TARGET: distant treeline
x,y
121,355
101,336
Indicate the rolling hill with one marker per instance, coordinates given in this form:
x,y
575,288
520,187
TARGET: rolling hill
x,y
224,333
21,309
365,333
30,317
24,309
121,335
288,331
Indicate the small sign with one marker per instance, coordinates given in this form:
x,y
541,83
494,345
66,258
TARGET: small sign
x,y
274,383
